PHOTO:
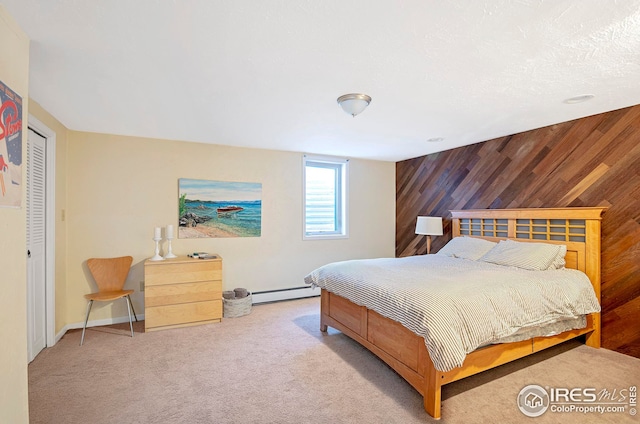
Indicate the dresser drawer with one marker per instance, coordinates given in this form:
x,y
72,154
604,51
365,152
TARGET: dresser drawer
x,y
158,316
169,294
182,272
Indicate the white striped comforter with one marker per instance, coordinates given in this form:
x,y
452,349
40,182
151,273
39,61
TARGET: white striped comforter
x,y
456,304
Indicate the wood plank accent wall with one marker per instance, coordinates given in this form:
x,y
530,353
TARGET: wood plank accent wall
x,y
593,161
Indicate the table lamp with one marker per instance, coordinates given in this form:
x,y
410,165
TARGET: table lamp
x,y
429,226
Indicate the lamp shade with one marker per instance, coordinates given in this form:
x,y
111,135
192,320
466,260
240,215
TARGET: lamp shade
x,y
354,103
429,225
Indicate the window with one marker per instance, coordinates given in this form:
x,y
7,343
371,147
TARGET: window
x,y
325,197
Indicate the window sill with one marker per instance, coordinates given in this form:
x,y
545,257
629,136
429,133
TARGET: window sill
x,y
325,237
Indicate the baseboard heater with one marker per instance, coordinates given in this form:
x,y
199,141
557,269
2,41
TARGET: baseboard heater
x,y
266,296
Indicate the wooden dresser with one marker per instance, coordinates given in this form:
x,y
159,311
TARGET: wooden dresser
x,y
181,292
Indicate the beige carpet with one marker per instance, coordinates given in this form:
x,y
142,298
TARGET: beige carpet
x,y
275,366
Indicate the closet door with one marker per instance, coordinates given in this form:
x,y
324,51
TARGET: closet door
x,y
36,226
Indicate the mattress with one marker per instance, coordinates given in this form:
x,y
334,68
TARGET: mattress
x,y
545,330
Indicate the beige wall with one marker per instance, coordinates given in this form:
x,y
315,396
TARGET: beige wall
x,y
60,212
120,188
14,72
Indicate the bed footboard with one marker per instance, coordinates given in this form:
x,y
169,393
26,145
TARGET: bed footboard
x,y
407,354
398,347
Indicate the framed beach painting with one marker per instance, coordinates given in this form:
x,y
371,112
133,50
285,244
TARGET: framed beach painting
x,y
219,209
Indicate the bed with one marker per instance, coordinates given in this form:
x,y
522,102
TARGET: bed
x,y
408,348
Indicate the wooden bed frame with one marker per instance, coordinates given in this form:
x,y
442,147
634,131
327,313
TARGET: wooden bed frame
x,y
405,352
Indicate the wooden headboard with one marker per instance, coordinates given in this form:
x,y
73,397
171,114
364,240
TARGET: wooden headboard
x,y
577,228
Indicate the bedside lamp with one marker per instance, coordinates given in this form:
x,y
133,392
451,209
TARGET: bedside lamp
x,y
429,226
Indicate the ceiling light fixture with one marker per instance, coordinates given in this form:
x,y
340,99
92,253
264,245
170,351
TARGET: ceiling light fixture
x,y
579,99
435,139
354,103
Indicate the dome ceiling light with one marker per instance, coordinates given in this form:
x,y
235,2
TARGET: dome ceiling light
x,y
354,103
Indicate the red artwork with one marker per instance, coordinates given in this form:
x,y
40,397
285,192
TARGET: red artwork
x,y
10,147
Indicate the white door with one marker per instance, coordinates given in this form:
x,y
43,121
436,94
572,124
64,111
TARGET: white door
x,y
36,226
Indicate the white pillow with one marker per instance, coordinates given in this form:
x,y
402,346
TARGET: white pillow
x,y
531,256
466,248
559,262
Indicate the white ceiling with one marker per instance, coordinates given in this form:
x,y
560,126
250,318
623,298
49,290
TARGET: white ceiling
x,y
266,74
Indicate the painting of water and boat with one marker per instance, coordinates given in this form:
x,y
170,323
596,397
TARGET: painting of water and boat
x,y
219,209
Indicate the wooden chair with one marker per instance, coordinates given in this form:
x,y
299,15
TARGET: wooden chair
x,y
110,275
